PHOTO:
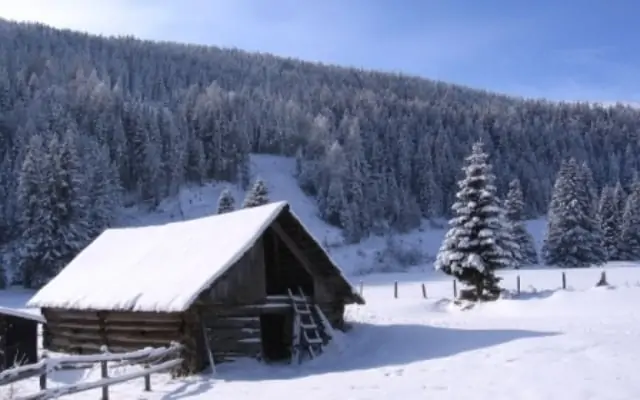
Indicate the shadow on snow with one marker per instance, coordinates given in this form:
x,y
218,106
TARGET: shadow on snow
x,y
375,346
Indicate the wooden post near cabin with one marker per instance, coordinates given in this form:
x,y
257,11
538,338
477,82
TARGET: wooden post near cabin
x,y
147,380
518,284
455,289
564,280
395,289
43,377
104,374
603,279
424,291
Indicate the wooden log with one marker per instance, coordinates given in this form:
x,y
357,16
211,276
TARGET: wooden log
x,y
237,345
232,335
67,346
109,316
252,310
127,337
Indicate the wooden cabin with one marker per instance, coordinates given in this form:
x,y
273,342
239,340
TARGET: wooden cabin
x,y
249,283
18,337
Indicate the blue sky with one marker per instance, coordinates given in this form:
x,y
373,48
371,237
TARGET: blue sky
x,y
565,50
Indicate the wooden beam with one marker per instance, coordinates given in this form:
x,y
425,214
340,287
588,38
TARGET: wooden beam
x,y
295,249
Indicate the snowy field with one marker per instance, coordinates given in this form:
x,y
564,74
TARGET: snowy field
x,y
580,343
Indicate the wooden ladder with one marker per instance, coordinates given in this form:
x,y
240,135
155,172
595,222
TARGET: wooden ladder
x,y
306,332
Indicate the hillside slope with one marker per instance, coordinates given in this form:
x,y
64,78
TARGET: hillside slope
x,y
374,150
394,253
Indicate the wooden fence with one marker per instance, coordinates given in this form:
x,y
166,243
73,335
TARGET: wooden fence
x,y
153,360
518,290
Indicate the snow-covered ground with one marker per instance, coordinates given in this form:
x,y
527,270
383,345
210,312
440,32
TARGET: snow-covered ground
x,y
575,344
579,343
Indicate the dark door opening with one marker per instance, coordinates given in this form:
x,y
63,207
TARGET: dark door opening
x,y
276,330
21,342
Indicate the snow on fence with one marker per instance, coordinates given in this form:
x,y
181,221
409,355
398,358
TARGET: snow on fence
x,y
601,280
154,360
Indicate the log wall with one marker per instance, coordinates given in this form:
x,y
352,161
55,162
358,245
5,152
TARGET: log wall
x,y
234,332
87,331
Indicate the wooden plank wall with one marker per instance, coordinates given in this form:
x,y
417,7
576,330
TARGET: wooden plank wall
x,y
242,284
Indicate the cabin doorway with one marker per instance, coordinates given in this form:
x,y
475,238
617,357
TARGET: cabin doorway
x,y
20,342
276,329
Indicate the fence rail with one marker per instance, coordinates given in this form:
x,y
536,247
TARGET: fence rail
x,y
562,280
154,360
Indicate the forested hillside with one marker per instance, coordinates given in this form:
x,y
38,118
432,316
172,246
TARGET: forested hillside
x,y
88,122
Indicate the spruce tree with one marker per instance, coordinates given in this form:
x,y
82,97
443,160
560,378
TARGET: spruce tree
x,y
3,277
620,200
257,196
609,223
507,241
574,236
471,249
226,202
630,229
514,208
34,204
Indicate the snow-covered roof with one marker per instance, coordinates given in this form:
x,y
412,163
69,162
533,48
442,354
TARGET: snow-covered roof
x,y
161,268
32,315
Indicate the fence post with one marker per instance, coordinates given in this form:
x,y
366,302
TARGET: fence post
x,y
104,374
147,380
455,289
518,284
395,289
43,377
424,291
564,280
603,279
361,288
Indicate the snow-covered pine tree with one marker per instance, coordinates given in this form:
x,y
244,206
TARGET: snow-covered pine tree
x,y
226,202
514,208
34,207
609,223
506,240
471,250
630,229
257,196
574,236
69,191
620,200
589,193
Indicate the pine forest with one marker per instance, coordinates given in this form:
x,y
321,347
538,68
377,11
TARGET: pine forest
x,y
89,124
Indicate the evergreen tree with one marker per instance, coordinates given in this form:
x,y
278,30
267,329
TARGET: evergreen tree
x,y
514,209
574,236
471,249
226,202
257,196
507,241
630,229
620,200
3,277
34,203
609,223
